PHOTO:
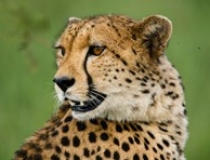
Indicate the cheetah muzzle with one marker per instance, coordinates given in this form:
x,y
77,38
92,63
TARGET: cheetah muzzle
x,y
96,98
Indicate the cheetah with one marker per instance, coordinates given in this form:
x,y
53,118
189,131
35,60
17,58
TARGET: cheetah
x,y
121,98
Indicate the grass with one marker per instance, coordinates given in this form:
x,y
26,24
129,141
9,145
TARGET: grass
x,y
28,29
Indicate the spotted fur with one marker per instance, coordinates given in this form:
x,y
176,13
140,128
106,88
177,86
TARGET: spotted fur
x,y
120,96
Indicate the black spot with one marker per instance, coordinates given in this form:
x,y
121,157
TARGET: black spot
x,y
108,24
151,134
76,157
35,147
185,112
137,140
35,157
92,137
146,123
43,137
162,129
98,148
76,141
154,149
94,121
175,96
65,141
116,155
58,123
139,127
58,149
179,133
146,141
125,146
144,80
160,146
132,72
104,125
117,56
124,62
67,155
98,157
48,146
81,126
54,157
115,77
145,157
146,91
138,65
143,84
179,148
54,133
146,146
169,93
107,153
133,127
128,80
104,136
134,38
172,84
136,157
163,86
93,152
116,141
165,142
172,138
152,85
21,153
67,119
126,127
130,140
118,128
117,70
137,135
86,152
65,128
162,157
134,51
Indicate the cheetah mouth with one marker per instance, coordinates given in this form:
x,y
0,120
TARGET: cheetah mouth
x,y
96,98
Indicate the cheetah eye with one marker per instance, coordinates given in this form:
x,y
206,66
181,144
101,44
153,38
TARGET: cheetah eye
x,y
61,50
96,50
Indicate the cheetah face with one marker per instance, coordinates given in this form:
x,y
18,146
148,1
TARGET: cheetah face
x,y
109,66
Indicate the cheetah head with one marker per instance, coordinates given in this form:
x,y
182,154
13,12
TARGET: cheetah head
x,y
114,67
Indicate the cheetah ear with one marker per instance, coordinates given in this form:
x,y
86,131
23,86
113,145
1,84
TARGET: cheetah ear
x,y
73,20
154,33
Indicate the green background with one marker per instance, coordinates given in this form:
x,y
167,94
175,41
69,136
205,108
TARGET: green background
x,y
28,30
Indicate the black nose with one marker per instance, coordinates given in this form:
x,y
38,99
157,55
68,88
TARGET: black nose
x,y
64,83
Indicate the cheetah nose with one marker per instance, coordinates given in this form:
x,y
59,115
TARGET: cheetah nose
x,y
64,83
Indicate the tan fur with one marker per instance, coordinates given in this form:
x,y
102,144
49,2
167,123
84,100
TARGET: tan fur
x,y
144,106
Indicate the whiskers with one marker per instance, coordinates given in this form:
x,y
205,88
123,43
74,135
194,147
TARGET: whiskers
x,y
96,97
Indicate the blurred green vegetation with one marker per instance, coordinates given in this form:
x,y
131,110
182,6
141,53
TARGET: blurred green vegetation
x,y
29,28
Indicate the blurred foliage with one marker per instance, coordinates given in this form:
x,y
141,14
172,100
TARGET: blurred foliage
x,y
29,28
